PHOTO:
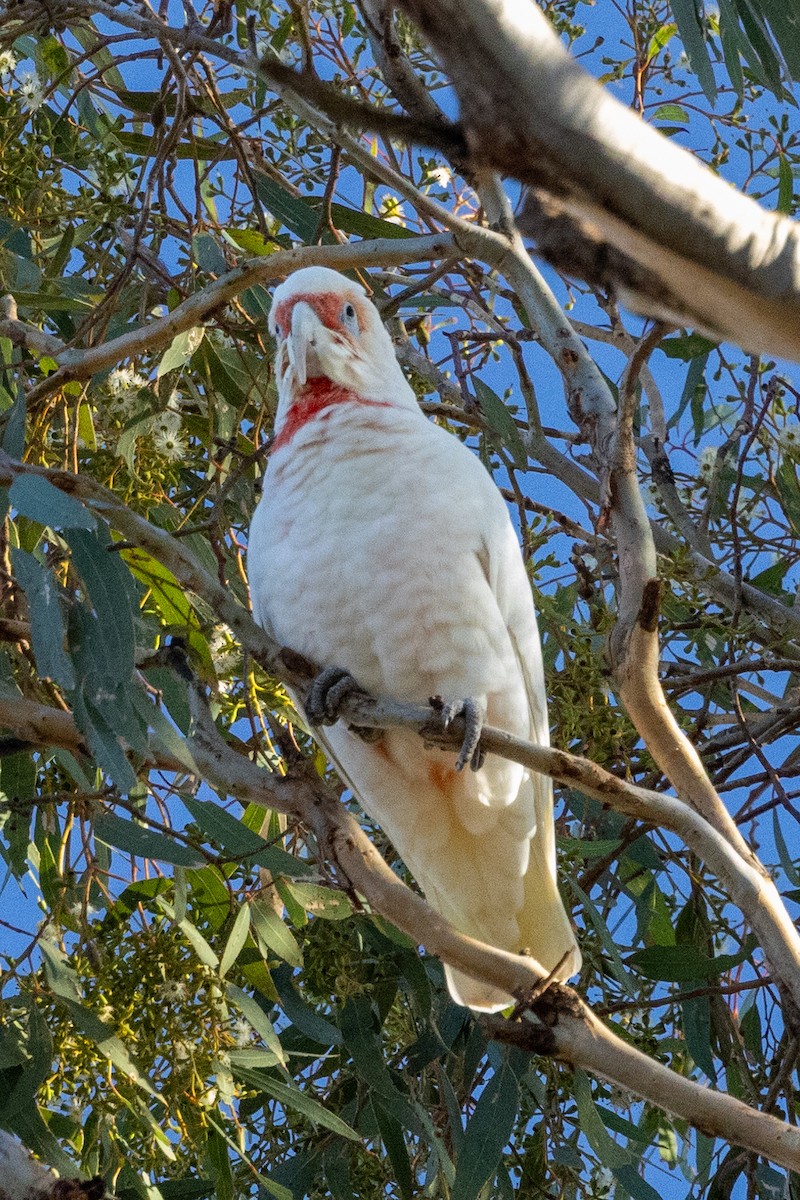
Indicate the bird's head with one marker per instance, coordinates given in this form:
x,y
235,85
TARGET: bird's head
x,y
326,328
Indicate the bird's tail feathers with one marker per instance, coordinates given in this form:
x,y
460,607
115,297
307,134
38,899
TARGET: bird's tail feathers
x,y
545,930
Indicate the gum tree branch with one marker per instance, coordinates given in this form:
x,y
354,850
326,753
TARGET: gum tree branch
x,y
528,109
565,1027
634,645
718,260
76,364
37,725
745,879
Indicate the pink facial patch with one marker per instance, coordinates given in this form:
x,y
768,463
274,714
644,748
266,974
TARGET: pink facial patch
x,y
327,305
317,395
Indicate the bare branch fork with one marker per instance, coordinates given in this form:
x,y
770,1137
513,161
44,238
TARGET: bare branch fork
x,y
557,1023
528,109
683,238
564,1027
744,877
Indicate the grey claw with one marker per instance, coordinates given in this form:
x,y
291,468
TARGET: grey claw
x,y
327,694
470,751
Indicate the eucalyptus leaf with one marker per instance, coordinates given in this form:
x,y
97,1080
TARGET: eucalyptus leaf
x,y
37,498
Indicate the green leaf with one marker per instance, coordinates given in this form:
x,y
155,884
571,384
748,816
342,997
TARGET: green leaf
x,y
47,624
13,440
207,148
270,929
109,585
592,915
697,1031
687,346
217,1162
102,741
500,420
591,1124
391,1132
180,350
365,225
309,1022
685,963
771,578
783,19
143,843
252,242
750,1026
199,944
208,254
153,718
53,56
788,861
487,1134
631,1181
671,112
789,492
233,837
36,498
255,1014
785,186
691,34
292,1097
26,1121
321,901
661,38
239,934
294,213
86,431
361,1039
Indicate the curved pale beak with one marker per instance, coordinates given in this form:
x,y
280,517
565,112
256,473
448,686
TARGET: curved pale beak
x,y
303,343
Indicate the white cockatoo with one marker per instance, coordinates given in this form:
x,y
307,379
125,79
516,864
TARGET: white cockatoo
x,y
382,546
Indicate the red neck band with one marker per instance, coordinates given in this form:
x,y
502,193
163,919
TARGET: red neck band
x,y
317,394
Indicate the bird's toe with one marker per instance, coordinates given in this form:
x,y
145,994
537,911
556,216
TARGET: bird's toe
x,y
472,713
327,693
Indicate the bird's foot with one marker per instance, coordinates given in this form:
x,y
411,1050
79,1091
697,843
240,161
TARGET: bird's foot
x,y
472,715
328,693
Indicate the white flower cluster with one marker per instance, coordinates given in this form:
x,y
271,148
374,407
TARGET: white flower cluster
x,y
224,652
441,175
707,462
8,62
125,383
242,1032
168,438
31,91
391,209
788,438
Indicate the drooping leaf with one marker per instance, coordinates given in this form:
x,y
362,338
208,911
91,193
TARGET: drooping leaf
x,y
275,935
691,34
302,1102
487,1133
47,623
501,422
239,933
37,498
683,963
292,211
232,836
255,1014
144,843
180,350
391,1132
108,583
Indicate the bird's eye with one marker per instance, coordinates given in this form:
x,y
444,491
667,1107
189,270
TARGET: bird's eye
x,y
349,318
